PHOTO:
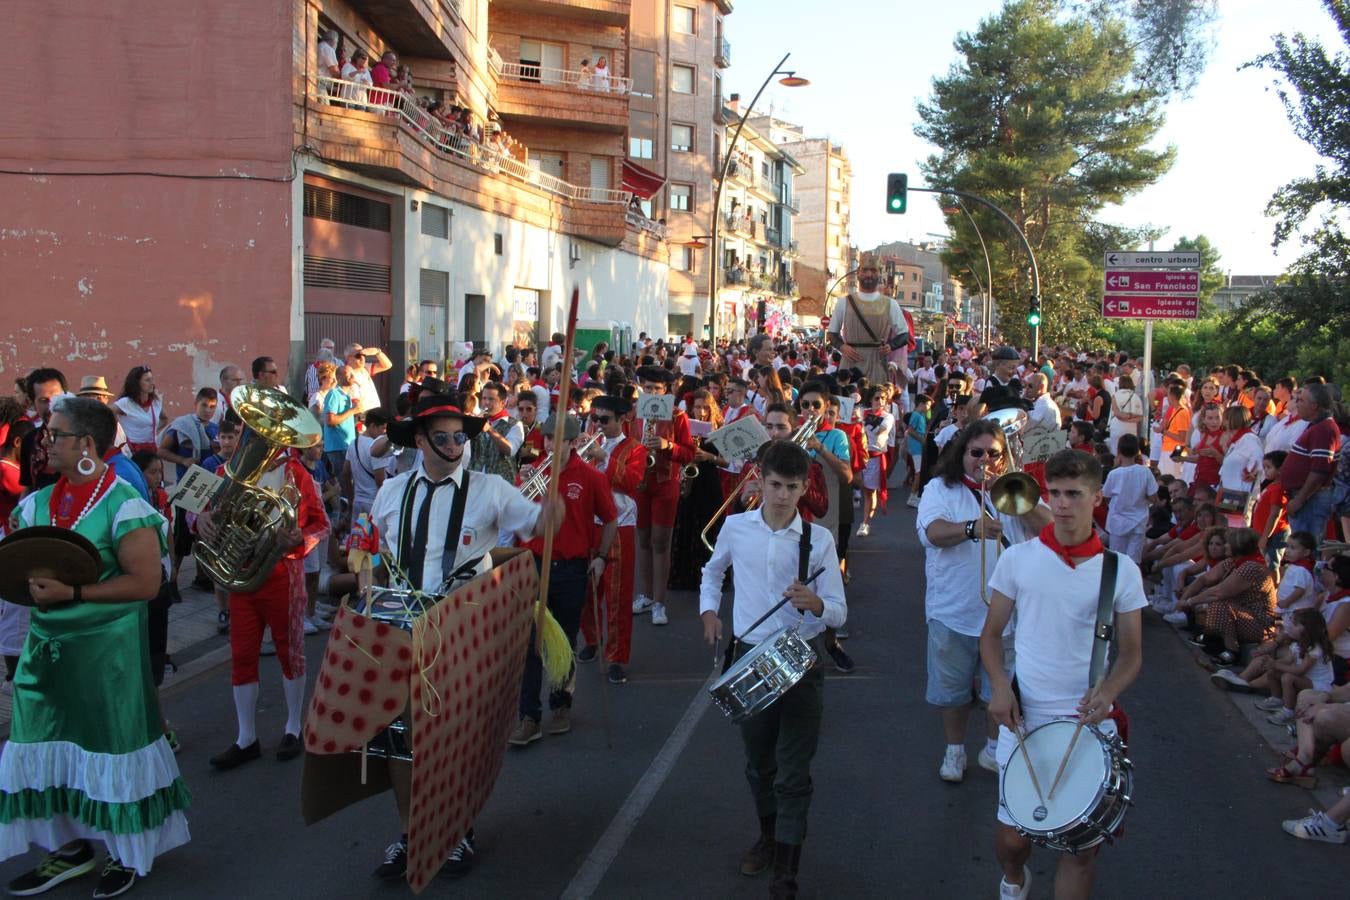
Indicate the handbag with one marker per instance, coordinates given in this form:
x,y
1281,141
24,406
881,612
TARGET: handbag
x,y
1231,500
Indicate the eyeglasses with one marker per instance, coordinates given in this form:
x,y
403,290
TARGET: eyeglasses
x,y
814,404
444,439
979,453
52,435
268,372
603,420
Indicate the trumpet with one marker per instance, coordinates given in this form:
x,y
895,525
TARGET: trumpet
x,y
649,432
799,437
690,471
536,485
1014,493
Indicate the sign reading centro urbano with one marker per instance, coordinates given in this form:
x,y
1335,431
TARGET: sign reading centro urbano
x,y
1151,285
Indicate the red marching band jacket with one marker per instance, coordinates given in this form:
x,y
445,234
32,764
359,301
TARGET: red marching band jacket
x,y
627,465
670,461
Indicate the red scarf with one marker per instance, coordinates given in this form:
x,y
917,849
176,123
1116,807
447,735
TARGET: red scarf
x,y
824,426
1089,548
1337,596
67,500
502,414
1250,557
1306,562
972,483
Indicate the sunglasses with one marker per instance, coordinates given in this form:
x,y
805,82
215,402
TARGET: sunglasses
x,y
52,435
603,420
443,439
978,453
816,404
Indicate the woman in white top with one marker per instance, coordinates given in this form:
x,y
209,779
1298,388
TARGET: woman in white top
x,y
1127,410
600,77
141,410
1242,457
358,72
878,425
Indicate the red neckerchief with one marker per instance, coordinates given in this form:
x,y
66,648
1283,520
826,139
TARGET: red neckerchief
x,y
1089,548
501,414
1250,557
1206,436
149,404
1237,435
1337,596
68,500
824,426
1306,562
1084,448
972,483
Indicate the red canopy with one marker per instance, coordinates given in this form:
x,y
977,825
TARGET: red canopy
x,y
640,181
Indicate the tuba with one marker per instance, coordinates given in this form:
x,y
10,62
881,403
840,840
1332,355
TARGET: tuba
x,y
247,516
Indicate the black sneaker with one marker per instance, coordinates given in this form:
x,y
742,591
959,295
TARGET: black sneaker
x,y
617,675
587,653
842,661
115,880
461,858
236,756
289,748
54,869
395,865
223,621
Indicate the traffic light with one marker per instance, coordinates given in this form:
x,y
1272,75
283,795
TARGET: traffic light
x,y
897,192
1034,313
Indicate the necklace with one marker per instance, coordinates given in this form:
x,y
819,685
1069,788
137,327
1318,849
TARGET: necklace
x,y
88,504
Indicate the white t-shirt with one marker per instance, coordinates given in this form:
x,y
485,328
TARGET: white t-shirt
x,y
947,432
879,437
1056,610
370,398
1244,455
1044,414
953,573
925,378
1129,488
140,423
1320,674
1296,577
364,466
1341,643
688,365
1283,434
327,58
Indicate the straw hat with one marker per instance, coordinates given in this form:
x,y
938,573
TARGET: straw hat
x,y
94,386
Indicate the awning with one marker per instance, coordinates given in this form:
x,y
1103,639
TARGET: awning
x,y
640,181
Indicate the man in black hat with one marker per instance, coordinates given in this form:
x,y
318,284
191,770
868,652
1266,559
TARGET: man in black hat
x,y
437,523
1003,389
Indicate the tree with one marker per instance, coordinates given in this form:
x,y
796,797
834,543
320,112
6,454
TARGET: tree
x,y
1048,113
1211,276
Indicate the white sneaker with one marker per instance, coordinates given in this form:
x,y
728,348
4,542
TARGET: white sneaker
x,y
1316,827
310,627
987,760
642,604
913,501
863,530
953,767
1015,891
1175,618
1270,704
659,614
1282,716
1228,676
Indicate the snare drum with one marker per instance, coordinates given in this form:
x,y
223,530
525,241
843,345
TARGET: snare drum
x,y
765,673
1093,795
397,608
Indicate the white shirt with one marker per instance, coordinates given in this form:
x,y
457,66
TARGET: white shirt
x,y
626,505
953,573
370,398
1244,455
1129,488
925,378
879,438
1296,577
1056,610
1044,415
688,365
542,401
551,356
364,466
493,505
945,434
139,423
764,564
327,58
1283,435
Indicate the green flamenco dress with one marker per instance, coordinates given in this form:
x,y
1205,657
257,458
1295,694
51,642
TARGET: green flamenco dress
x,y
86,757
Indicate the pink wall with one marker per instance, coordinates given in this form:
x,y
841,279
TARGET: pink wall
x,y
99,273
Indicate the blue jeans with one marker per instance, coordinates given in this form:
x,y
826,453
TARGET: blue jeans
x,y
1313,516
566,599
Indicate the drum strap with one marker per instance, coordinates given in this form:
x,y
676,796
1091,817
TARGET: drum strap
x,y
1104,630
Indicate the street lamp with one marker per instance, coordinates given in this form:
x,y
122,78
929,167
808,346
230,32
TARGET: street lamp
x,y
790,79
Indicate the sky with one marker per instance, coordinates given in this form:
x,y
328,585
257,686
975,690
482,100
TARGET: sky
x,y
1235,146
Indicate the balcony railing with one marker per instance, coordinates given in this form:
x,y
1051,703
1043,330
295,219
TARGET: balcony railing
x,y
740,224
792,249
773,236
785,286
354,95
734,275
641,222
577,79
791,201
722,54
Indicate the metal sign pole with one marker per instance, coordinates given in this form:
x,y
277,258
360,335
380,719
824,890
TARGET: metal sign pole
x,y
1148,379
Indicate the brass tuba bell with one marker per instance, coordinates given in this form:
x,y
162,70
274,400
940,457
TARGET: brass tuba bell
x,y
247,516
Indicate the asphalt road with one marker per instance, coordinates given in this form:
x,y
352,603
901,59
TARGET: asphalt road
x,y
665,813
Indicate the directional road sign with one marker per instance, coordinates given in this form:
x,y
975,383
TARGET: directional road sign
x,y
1163,259
1138,281
1150,306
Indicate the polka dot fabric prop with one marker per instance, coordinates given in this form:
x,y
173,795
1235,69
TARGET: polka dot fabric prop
x,y
476,671
362,684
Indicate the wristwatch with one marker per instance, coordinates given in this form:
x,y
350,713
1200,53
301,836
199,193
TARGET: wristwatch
x,y
970,531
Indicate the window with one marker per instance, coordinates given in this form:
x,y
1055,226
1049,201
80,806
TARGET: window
x,y
435,221
682,138
497,243
682,259
434,287
681,196
643,72
641,135
547,163
682,20
682,79
540,61
600,171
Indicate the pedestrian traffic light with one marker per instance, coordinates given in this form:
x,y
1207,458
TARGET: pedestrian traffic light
x,y
897,191
1034,313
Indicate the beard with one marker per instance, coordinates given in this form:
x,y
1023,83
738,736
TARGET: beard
x,y
868,283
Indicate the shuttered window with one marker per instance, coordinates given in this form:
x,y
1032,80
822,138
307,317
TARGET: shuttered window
x,y
435,221
600,167
346,209
435,288
346,275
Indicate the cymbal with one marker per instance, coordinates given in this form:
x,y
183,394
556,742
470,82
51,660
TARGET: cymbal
x,y
45,551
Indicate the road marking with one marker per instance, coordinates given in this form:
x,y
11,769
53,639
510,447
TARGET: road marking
x,y
603,854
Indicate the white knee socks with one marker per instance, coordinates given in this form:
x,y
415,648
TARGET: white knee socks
x,y
295,703
245,710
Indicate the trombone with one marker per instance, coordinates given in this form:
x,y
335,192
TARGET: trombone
x,y
535,486
799,437
1014,493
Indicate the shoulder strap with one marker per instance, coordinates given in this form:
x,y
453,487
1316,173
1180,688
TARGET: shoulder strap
x,y
1104,630
857,314
804,553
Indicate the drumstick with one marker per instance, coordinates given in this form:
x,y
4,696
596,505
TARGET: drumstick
x,y
1077,730
1039,812
779,605
600,654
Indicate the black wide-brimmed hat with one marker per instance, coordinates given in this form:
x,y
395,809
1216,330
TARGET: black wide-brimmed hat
x,y
432,406
610,403
656,373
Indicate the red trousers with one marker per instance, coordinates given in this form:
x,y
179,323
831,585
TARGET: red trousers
x,y
658,503
616,596
273,606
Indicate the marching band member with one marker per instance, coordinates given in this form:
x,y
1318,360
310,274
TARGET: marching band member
x,y
277,605
496,446
736,408
1053,585
578,564
413,516
815,502
949,526
773,554
659,498
624,462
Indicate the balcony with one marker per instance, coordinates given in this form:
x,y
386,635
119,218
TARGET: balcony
x,y
773,236
546,95
785,286
420,25
734,275
739,224
724,6
386,134
642,223
599,12
722,53
791,201
792,250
